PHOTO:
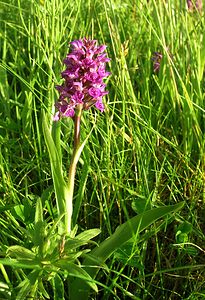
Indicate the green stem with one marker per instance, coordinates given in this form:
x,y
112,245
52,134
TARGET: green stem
x,y
72,169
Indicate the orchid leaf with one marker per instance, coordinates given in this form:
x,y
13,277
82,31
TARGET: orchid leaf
x,y
42,288
72,244
123,234
20,263
28,286
77,271
20,252
57,174
58,287
39,212
89,234
24,291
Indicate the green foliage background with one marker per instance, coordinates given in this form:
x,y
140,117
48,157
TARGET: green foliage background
x,y
146,150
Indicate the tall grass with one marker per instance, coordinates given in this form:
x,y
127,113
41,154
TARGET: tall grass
x,y
146,150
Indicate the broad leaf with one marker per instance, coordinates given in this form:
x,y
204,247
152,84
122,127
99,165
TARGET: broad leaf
x,y
79,290
77,272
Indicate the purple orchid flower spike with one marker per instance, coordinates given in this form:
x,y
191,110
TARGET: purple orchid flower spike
x,y
156,58
83,78
194,4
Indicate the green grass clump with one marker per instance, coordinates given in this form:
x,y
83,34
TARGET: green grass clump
x,y
145,151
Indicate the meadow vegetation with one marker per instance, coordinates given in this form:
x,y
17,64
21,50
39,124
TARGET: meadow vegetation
x,y
145,151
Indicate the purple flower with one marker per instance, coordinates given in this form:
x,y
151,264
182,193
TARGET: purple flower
x,y
157,57
194,4
83,78
94,92
99,105
64,110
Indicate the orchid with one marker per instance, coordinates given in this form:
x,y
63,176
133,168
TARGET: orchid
x,y
156,58
83,78
55,261
197,5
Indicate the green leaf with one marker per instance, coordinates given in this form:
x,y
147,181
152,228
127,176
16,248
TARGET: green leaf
x,y
183,231
46,198
202,57
185,227
39,212
89,234
39,232
72,256
20,252
42,290
77,272
72,244
28,286
7,207
55,160
122,235
133,226
96,261
127,256
24,291
29,210
140,205
5,291
190,250
58,287
182,238
34,276
60,186
18,212
23,212
80,240
20,263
